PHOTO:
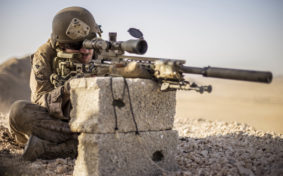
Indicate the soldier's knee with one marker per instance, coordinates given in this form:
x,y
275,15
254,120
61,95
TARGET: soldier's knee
x,y
17,110
15,121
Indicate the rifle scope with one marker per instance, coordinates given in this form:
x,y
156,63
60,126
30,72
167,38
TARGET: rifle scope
x,y
131,46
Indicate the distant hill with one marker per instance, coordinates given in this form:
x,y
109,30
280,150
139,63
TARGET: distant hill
x,y
14,81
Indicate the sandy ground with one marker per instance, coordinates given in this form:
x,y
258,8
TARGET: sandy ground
x,y
259,105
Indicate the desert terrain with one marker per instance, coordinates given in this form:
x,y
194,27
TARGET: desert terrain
x,y
259,105
235,130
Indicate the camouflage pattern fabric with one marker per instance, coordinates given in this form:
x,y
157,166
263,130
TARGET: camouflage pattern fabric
x,y
42,90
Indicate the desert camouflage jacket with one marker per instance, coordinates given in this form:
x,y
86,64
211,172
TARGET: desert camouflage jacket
x,y
45,94
42,91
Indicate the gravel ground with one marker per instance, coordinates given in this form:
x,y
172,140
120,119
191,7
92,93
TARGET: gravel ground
x,y
204,148
221,148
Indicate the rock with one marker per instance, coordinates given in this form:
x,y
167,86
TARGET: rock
x,y
244,171
204,153
61,169
60,161
93,111
127,154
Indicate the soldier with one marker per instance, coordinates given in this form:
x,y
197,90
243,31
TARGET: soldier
x,y
42,124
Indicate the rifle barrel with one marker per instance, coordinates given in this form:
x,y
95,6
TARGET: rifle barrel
x,y
227,73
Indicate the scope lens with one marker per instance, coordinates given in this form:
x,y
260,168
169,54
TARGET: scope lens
x,y
142,47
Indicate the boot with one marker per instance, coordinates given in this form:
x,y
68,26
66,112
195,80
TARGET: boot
x,y
37,148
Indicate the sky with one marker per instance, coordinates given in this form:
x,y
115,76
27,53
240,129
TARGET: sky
x,y
246,34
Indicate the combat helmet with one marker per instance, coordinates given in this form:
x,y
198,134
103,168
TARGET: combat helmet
x,y
73,25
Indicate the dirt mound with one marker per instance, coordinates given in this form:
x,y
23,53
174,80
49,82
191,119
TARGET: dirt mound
x,y
14,81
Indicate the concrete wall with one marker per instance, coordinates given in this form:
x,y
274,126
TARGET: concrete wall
x,y
104,150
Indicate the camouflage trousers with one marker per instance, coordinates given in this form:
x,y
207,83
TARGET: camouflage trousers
x,y
28,119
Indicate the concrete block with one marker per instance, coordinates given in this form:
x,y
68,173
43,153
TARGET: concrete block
x,y
127,154
93,111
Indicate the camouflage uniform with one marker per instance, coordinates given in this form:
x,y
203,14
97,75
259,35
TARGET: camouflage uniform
x,y
42,124
43,116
